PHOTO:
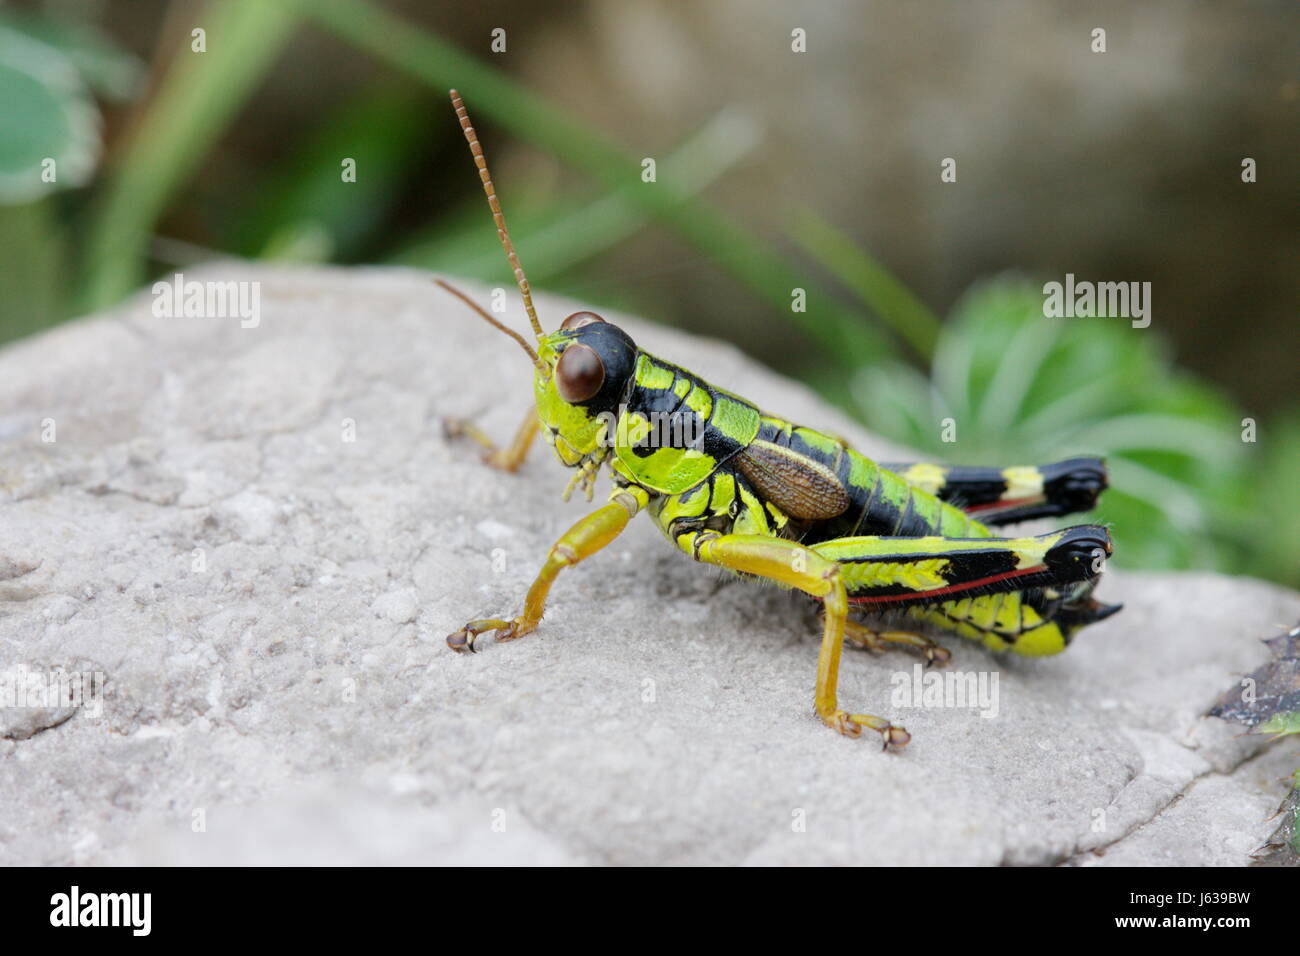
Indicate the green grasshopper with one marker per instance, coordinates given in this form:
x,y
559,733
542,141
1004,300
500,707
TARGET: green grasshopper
x,y
906,548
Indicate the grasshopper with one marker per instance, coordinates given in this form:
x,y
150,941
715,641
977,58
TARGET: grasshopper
x,y
893,552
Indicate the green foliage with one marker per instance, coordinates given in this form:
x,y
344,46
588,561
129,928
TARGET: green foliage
x,y
1268,538
49,116
1280,725
198,97
1022,388
107,69
34,276
51,142
891,301
304,211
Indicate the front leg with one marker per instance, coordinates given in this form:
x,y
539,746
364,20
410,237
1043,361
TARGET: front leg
x,y
581,541
506,459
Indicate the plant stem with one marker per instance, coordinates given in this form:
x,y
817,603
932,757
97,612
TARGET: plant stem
x,y
196,100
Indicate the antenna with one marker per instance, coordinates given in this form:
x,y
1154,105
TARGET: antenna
x,y
484,315
502,233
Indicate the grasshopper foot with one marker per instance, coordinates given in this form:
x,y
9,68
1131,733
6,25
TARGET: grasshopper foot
x,y
937,654
850,725
456,428
878,641
453,428
463,640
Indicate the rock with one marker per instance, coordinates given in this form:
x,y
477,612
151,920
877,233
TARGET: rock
x,y
259,537
399,606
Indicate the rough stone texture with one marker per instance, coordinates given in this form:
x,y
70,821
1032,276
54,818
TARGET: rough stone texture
x,y
268,602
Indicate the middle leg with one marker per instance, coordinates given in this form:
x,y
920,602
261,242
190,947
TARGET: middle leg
x,y
874,639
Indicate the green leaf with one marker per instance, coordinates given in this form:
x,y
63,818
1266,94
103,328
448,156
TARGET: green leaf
x,y
110,70
50,123
1280,725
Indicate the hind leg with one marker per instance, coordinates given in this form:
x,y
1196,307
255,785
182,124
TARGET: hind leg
x,y
998,496
796,566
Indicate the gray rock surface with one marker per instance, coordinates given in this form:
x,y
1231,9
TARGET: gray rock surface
x,y
266,602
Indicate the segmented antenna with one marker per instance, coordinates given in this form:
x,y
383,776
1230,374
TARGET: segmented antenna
x,y
502,233
484,315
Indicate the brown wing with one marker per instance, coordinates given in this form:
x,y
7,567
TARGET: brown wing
x,y
804,489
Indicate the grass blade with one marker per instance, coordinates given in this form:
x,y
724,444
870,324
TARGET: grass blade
x,y
200,94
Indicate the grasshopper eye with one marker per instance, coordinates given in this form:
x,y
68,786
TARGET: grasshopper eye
x,y
579,319
579,373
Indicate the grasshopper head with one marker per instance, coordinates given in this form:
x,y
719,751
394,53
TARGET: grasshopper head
x,y
584,371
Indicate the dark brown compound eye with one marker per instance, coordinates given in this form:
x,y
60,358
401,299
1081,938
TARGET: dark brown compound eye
x,y
579,373
579,319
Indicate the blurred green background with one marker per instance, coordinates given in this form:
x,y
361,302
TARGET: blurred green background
x,y
775,170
